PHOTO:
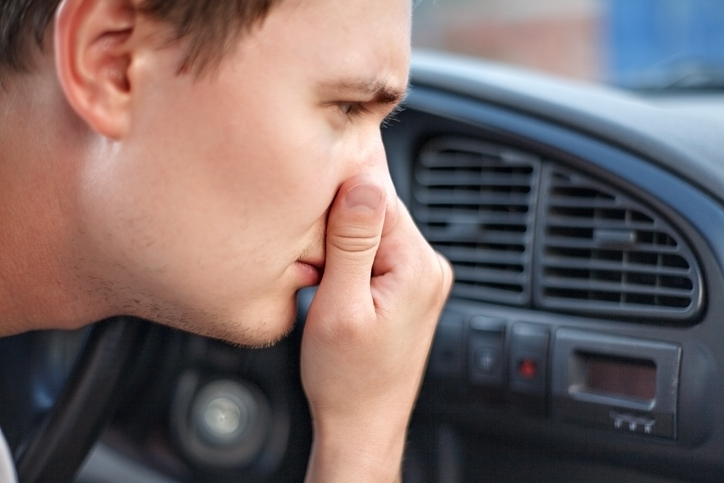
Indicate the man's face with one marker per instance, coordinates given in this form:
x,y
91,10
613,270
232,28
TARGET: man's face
x,y
203,215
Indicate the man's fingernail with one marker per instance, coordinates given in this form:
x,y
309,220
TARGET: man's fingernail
x,y
364,196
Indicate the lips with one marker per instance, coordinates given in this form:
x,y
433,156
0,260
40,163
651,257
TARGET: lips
x,y
312,270
313,257
311,261
317,264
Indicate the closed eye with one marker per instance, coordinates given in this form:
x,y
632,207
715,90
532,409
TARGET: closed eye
x,y
352,108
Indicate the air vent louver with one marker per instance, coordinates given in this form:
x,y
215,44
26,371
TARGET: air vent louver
x,y
475,202
576,244
600,251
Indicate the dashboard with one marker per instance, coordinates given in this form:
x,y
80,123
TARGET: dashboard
x,y
583,340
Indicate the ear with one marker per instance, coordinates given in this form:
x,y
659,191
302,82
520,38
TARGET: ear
x,y
93,53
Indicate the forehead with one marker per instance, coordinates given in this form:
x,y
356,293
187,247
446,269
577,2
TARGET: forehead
x,y
340,39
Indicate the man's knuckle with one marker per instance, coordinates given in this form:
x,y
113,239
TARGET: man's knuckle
x,y
439,277
355,242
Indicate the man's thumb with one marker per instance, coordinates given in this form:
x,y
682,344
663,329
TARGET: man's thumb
x,y
354,230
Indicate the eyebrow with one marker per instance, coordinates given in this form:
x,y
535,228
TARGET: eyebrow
x,y
379,92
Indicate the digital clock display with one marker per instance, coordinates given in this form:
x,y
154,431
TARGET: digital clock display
x,y
619,376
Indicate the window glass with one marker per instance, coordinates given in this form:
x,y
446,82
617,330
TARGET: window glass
x,y
643,44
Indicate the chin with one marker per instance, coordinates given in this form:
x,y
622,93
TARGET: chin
x,y
256,327
252,324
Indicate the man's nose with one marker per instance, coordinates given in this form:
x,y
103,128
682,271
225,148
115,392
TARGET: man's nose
x,y
372,160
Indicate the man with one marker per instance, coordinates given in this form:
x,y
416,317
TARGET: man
x,y
195,163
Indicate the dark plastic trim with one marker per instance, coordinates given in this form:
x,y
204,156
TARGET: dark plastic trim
x,y
57,449
696,454
682,143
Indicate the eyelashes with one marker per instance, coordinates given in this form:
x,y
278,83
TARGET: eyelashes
x,y
355,109
392,116
352,109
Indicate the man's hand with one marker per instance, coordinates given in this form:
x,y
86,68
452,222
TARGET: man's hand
x,y
368,334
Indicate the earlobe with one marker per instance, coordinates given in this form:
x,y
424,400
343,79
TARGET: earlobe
x,y
93,53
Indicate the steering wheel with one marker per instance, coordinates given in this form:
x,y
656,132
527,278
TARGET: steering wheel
x,y
58,440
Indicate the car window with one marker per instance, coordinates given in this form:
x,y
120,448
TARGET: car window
x,y
641,44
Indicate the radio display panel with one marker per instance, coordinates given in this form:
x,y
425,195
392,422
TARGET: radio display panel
x,y
618,376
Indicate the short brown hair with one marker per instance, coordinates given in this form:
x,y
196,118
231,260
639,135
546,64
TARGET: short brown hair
x,y
210,26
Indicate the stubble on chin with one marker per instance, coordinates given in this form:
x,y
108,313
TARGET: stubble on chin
x,y
112,298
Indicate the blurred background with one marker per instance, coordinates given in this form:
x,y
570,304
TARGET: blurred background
x,y
639,44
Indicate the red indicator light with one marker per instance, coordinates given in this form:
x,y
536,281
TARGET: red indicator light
x,y
528,368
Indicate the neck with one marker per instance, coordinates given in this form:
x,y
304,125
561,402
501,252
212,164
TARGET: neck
x,y
41,141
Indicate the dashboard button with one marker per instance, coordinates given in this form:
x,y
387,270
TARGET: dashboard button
x,y
447,358
528,358
485,349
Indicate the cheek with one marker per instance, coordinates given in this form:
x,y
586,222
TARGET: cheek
x,y
232,210
240,144
210,185
289,180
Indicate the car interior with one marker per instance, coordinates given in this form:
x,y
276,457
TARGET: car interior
x,y
583,339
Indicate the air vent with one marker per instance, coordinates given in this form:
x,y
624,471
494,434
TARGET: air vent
x,y
476,203
600,251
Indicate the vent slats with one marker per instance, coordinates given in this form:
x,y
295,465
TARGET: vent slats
x,y
510,294
614,288
467,234
475,202
472,234
483,275
590,222
443,196
577,239
462,178
625,267
475,255
527,231
600,251
442,215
